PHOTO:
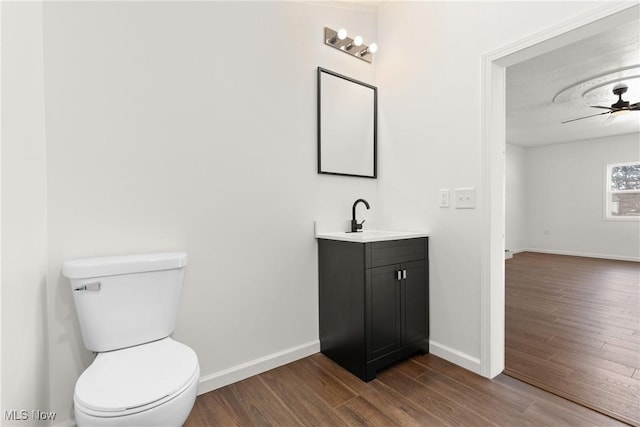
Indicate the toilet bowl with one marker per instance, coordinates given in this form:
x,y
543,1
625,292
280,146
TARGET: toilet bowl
x,y
153,384
127,308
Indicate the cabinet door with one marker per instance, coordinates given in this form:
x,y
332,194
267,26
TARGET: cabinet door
x,y
415,301
383,311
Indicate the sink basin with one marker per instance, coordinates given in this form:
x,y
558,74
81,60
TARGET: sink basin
x,y
370,235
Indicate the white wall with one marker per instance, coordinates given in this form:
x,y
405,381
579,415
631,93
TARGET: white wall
x,y
515,198
192,126
565,199
23,168
429,70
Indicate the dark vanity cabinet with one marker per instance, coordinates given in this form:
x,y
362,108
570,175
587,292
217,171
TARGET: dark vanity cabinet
x,y
374,302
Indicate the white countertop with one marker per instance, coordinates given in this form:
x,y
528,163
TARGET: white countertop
x,y
367,236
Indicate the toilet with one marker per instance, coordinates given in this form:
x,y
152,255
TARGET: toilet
x,y
127,308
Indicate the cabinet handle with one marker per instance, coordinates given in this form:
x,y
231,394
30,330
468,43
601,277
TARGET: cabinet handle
x,y
404,274
398,275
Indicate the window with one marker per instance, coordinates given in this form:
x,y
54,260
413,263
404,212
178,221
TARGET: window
x,y
623,191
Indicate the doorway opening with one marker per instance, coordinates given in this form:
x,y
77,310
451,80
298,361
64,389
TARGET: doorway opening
x,y
494,125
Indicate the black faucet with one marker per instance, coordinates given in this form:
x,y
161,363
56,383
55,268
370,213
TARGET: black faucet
x,y
355,226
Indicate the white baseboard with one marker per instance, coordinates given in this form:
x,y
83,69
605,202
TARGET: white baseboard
x,y
245,370
253,367
454,356
517,251
583,254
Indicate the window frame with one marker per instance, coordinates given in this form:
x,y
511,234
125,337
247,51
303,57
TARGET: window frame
x,y
608,192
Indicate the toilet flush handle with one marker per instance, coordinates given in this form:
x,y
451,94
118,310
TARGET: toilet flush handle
x,y
93,286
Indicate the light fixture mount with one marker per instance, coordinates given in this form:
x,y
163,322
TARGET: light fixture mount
x,y
347,45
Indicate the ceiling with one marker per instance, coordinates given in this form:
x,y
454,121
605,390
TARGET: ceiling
x,y
560,85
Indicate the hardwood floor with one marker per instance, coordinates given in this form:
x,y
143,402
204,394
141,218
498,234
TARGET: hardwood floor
x,y
573,328
422,391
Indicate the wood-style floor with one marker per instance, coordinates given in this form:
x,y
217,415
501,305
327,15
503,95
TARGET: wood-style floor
x,y
573,328
422,391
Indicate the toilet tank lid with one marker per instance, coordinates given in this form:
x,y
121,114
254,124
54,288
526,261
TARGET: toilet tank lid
x,y
123,264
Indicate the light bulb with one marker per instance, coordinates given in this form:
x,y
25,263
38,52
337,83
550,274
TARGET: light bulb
x,y
342,34
619,113
373,48
357,41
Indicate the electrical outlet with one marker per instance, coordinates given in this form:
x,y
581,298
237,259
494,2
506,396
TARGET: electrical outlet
x,y
444,198
465,198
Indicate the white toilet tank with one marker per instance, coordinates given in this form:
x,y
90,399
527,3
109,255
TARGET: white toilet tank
x,y
128,300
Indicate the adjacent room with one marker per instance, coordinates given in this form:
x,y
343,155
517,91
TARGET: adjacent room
x,y
573,222
183,244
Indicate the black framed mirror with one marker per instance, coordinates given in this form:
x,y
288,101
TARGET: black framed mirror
x,y
347,126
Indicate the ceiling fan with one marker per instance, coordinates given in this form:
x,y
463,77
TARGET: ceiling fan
x,y
618,106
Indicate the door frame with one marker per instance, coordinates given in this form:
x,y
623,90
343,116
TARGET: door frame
x,y
494,64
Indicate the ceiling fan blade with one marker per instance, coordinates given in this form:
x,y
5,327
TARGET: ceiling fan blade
x,y
586,117
634,107
600,106
610,119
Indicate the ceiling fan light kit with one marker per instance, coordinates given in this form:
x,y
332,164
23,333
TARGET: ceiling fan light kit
x,y
617,108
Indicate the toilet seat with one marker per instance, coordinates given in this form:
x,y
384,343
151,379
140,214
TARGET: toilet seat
x,y
136,379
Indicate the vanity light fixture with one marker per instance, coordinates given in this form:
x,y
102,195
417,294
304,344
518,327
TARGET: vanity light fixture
x,y
371,49
357,42
340,35
340,40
